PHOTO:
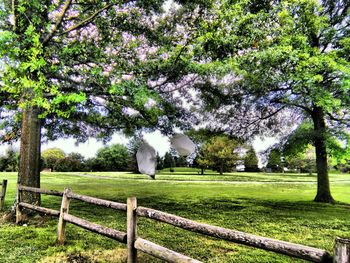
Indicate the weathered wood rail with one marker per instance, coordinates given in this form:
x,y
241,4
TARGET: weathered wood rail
x,y
134,243
282,247
3,194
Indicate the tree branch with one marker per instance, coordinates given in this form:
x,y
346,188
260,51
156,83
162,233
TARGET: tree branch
x,y
341,120
58,22
293,104
87,20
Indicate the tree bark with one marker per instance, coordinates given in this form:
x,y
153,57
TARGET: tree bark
x,y
323,189
29,164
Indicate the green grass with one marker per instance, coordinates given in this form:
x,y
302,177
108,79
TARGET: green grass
x,y
272,205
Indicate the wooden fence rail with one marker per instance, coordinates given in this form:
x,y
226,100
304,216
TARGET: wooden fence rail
x,y
39,190
40,209
20,205
162,252
282,247
97,201
105,231
3,194
134,243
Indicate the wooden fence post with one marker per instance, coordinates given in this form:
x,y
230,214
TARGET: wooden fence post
x,y
19,215
131,229
61,227
3,194
342,250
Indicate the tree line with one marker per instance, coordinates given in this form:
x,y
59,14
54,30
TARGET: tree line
x,y
220,153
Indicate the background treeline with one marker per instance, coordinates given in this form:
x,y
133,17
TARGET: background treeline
x,y
215,152
116,157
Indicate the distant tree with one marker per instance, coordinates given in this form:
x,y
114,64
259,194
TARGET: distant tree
x,y
180,161
169,161
200,164
73,162
275,160
113,158
219,153
77,156
92,165
9,161
251,161
51,157
160,162
304,161
344,167
2,163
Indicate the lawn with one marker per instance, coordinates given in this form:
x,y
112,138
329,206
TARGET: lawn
x,y
272,205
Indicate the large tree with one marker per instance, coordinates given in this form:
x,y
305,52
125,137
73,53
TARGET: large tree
x,y
52,157
113,158
88,68
219,153
277,64
251,161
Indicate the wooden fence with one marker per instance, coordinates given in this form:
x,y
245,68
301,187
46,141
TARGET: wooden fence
x,y
135,243
3,194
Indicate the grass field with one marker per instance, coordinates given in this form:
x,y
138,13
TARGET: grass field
x,y
272,205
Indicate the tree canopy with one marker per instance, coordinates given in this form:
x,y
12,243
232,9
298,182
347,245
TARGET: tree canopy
x,y
52,157
113,158
87,68
84,64
251,162
219,153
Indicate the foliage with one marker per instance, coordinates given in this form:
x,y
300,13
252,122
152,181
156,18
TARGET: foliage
x,y
73,162
168,160
52,156
202,135
299,140
113,158
160,162
9,161
251,161
274,161
219,153
106,59
92,164
298,149
344,167
304,161
180,161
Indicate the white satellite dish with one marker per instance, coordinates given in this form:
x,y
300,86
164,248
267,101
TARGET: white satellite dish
x,y
182,144
147,159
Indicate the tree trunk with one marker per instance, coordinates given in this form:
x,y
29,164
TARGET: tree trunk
x,y
323,188
29,165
